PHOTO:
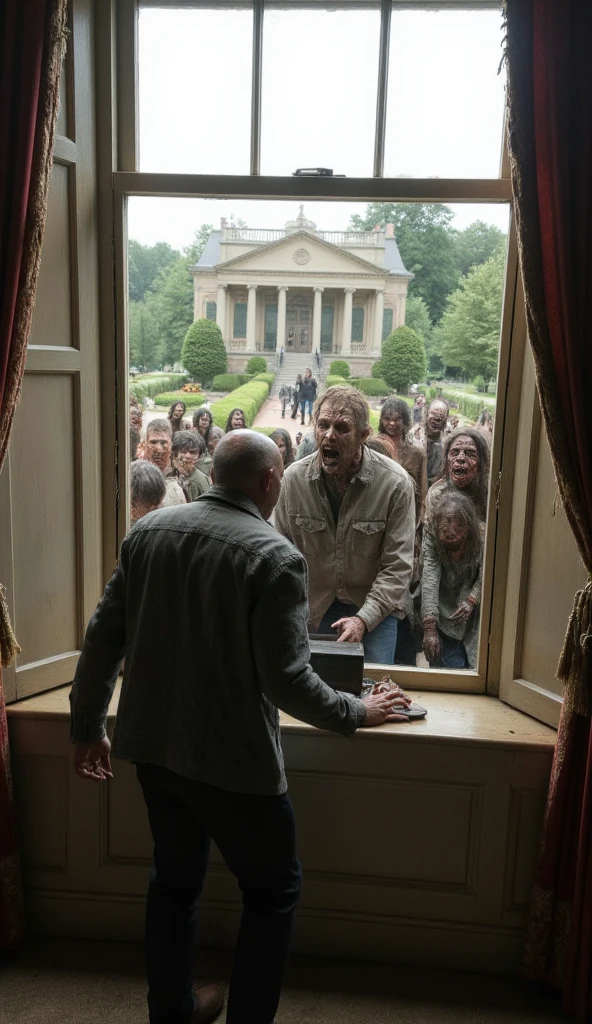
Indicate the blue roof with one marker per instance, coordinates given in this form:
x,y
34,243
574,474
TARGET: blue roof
x,y
210,257
211,254
392,259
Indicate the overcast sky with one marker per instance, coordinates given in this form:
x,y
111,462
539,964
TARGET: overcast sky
x,y
445,108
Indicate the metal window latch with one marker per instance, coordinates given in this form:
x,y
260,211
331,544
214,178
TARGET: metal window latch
x,y
315,172
498,490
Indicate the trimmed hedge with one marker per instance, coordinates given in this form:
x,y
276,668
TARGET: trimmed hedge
x,y
377,370
149,387
370,386
467,405
192,401
250,397
203,353
226,382
333,378
256,364
339,368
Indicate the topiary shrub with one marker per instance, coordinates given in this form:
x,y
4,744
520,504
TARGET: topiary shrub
x,y
377,370
250,397
333,378
203,354
148,387
191,401
256,364
226,382
370,386
403,358
339,368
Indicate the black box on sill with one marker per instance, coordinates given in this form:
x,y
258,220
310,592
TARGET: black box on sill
x,y
339,665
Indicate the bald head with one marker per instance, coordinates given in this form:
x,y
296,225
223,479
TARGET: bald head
x,y
250,463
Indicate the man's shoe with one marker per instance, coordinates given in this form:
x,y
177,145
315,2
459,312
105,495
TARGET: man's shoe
x,y
209,1003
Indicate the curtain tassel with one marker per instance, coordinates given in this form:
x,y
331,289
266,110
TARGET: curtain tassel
x,y
9,647
575,663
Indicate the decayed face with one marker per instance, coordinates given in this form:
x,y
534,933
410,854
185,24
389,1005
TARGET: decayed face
x,y
203,422
178,412
437,416
185,462
238,421
158,447
393,425
452,534
281,444
338,438
463,461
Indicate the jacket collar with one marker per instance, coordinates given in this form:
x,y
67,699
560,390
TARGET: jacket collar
x,y
364,474
235,499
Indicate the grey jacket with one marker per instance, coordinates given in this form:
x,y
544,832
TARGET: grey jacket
x,y
367,558
208,606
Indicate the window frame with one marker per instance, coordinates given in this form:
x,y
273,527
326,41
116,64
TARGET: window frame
x,y
127,181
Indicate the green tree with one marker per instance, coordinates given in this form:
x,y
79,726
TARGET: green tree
x,y
203,354
173,295
417,317
403,359
145,262
426,243
476,244
470,327
145,343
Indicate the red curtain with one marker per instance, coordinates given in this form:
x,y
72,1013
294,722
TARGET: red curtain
x,y
32,36
549,59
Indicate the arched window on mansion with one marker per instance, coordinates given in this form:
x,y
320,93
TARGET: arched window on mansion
x,y
302,289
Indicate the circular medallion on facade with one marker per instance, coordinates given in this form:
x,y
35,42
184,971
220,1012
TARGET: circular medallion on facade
x,y
301,256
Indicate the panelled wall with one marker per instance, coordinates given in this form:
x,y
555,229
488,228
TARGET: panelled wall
x,y
50,503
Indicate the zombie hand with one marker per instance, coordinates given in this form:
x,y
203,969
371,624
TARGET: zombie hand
x,y
463,611
432,645
350,629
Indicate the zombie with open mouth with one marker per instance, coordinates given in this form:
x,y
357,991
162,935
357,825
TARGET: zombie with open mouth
x,y
351,513
466,469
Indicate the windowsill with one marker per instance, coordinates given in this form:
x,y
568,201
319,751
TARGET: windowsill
x,y
453,718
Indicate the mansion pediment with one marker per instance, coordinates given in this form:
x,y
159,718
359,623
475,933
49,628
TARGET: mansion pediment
x,y
302,252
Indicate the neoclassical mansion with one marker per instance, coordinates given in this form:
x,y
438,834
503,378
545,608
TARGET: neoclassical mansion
x,y
339,292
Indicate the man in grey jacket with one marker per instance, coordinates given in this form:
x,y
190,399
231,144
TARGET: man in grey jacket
x,y
351,512
204,732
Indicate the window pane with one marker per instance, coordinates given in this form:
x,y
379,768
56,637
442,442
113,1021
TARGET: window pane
x,y
195,90
446,100
240,320
431,280
319,90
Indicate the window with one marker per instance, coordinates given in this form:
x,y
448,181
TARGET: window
x,y
401,245
357,323
211,311
240,320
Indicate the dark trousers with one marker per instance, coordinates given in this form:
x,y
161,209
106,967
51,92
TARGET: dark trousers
x,y
256,837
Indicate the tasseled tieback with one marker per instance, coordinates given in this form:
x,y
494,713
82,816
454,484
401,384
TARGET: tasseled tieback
x,y
575,663
9,647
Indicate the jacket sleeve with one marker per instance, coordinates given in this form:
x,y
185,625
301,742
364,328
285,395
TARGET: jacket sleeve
x,y
430,580
282,655
280,518
390,587
102,653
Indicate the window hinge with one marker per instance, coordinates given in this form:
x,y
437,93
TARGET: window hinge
x,y
498,489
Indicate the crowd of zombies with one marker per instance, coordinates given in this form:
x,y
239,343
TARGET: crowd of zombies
x,y
391,523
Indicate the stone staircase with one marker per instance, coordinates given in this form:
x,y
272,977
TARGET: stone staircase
x,y
293,364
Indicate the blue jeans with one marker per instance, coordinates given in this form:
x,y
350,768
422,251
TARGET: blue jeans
x,y
379,643
256,837
453,652
304,403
